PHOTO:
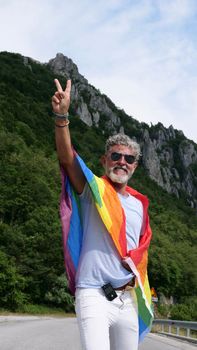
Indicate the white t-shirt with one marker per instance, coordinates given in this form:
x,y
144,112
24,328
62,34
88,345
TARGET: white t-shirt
x,y
100,262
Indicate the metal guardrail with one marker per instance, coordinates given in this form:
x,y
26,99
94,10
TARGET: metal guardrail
x,y
177,328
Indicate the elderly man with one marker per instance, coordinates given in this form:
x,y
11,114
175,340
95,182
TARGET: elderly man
x,y
106,243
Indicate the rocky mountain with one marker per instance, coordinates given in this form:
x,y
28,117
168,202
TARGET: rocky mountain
x,y
169,157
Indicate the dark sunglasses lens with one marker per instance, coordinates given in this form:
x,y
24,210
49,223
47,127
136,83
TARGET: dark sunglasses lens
x,y
115,156
129,158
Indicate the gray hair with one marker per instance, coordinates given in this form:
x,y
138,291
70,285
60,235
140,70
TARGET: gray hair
x,y
121,139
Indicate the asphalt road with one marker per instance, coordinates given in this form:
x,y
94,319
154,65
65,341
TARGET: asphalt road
x,y
47,333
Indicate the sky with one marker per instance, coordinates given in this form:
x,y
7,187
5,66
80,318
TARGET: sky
x,y
141,53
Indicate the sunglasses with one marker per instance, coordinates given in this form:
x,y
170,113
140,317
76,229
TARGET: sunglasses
x,y
128,157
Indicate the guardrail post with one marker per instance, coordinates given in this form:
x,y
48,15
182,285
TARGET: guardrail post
x,y
167,326
188,333
170,328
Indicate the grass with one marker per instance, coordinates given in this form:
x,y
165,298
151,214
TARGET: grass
x,y
33,309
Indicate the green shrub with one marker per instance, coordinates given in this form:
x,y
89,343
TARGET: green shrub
x,y
60,296
11,284
182,312
163,310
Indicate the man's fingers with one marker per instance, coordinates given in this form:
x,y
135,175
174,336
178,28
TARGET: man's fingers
x,y
58,85
68,87
55,99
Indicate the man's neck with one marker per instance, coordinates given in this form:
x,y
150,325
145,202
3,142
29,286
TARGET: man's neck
x,y
118,187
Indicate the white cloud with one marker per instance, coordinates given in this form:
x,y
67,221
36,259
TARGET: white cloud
x,y
176,10
142,53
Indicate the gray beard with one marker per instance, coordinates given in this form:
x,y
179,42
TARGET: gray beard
x,y
120,179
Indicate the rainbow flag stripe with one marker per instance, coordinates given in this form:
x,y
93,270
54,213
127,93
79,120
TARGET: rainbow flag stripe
x,y
106,199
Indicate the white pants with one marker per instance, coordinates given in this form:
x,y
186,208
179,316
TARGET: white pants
x,y
106,325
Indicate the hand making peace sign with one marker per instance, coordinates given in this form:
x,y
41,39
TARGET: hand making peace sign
x,y
61,98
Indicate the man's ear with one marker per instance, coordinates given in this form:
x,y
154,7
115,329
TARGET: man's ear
x,y
103,160
136,165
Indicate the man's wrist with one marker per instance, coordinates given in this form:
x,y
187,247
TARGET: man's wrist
x,y
59,116
61,123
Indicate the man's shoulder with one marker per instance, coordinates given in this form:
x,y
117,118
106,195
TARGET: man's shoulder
x,y
143,198
132,191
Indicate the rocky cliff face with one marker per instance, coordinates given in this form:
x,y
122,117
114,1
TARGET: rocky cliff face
x,y
87,101
168,157
171,160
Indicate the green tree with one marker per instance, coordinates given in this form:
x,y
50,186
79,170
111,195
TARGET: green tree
x,y
12,284
59,295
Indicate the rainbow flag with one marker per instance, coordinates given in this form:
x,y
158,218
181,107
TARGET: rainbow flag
x,y
106,199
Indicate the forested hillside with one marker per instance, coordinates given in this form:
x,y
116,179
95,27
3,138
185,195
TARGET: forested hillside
x,y
31,259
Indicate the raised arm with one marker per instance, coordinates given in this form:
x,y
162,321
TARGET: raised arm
x,y
60,105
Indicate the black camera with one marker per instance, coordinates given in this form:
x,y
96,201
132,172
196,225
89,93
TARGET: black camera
x,y
109,291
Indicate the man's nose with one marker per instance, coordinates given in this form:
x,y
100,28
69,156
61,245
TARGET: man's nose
x,y
122,160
